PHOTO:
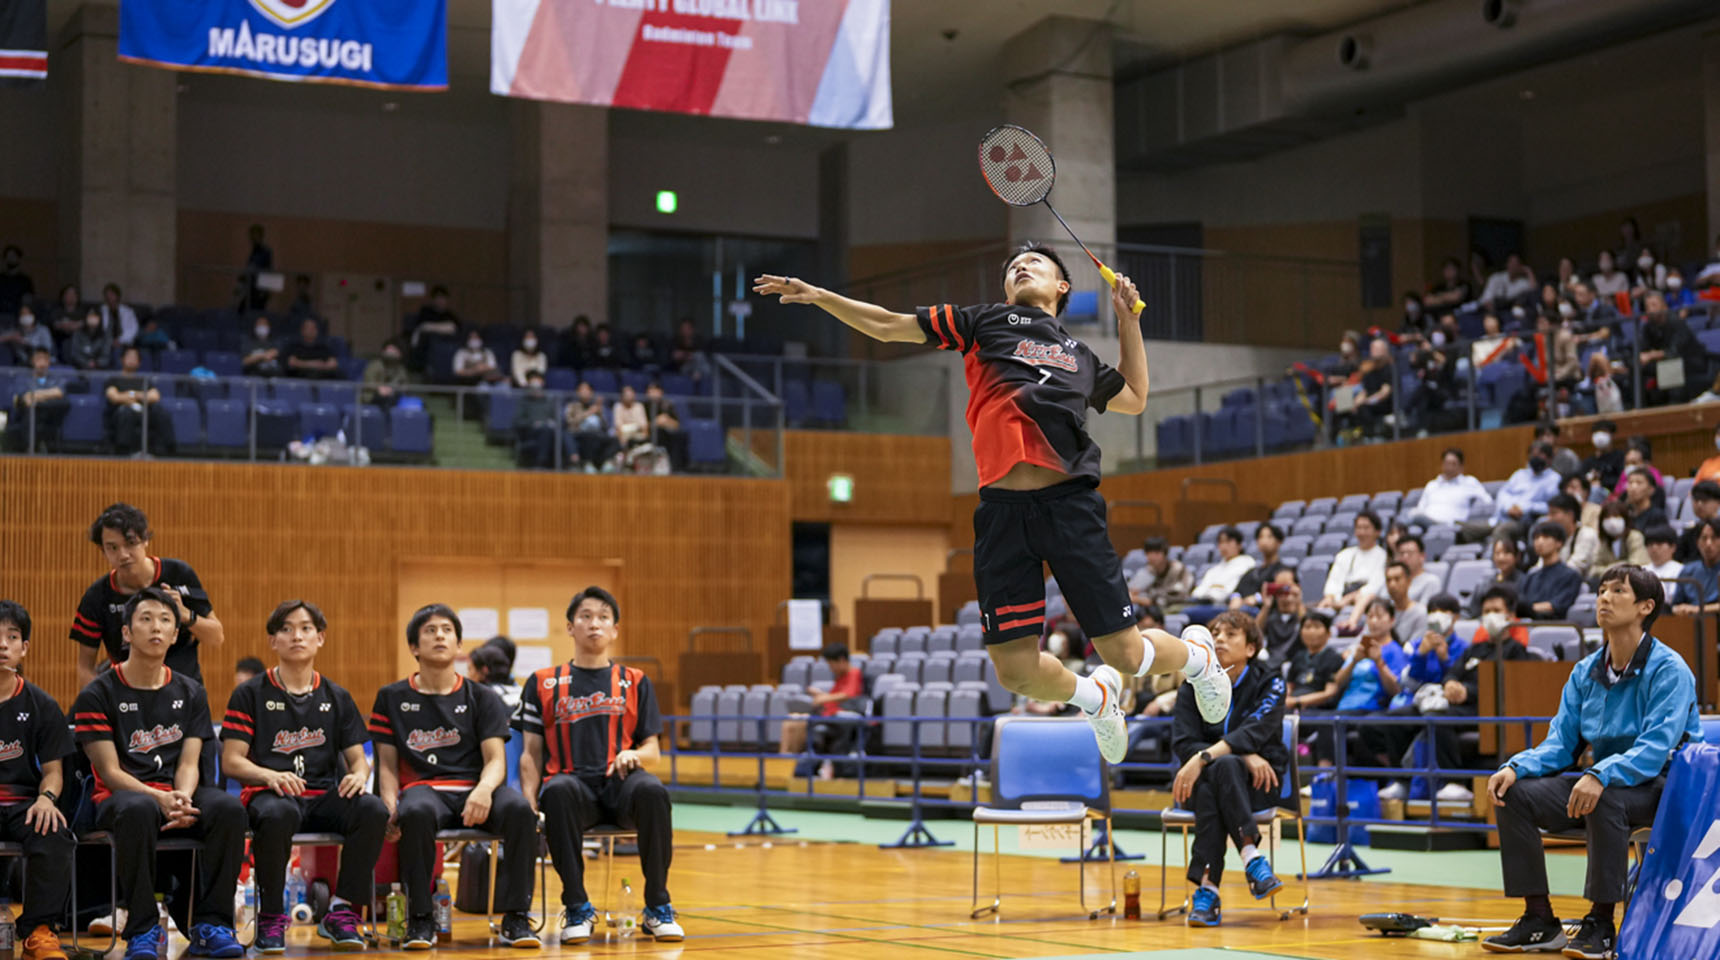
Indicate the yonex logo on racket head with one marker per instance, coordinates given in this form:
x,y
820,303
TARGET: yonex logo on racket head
x,y
1016,165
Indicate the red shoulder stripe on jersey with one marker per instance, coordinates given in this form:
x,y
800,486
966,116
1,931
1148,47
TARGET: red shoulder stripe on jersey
x,y
250,719
89,716
379,728
86,621
86,631
240,727
378,718
950,318
1020,608
1028,622
93,728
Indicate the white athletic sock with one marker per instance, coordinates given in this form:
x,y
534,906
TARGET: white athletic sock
x,y
1249,852
1088,695
1197,659
339,902
1148,653
1207,883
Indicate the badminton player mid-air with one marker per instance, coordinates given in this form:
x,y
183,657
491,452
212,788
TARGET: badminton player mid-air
x,y
1030,384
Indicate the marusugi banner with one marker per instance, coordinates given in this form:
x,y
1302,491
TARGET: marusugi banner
x,y
378,43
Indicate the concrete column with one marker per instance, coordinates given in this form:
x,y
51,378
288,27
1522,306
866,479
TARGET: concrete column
x,y
1711,114
558,213
118,179
1059,86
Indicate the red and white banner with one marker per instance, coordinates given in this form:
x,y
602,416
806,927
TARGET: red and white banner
x,y
819,62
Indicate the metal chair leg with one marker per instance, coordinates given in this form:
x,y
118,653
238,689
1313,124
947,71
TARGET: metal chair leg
x,y
490,900
1184,906
975,910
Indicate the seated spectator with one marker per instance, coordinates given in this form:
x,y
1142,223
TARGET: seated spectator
x,y
1511,286
1212,594
1587,498
90,348
1582,540
528,359
475,364
1600,392
1596,319
1507,572
535,426
687,353
1649,277
432,323
1450,497
1395,531
1348,359
1629,705
1416,321
1231,769
120,319
1163,582
499,654
1521,501
385,376
1609,279
1664,336
261,354
1313,676
1451,292
576,348
1358,572
67,314
848,686
587,426
1280,616
643,355
1662,544
1461,690
1639,452
131,401
26,337
1411,616
1412,553
1562,344
666,426
632,426
310,357
604,352
1641,491
1617,541
1564,459
1369,678
1267,539
1374,398
16,287
1702,594
1710,469
1679,296
1551,586
42,396
1436,383
1705,505
1431,653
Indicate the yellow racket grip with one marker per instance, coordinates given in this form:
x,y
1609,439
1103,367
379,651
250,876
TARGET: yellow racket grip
x,y
1111,278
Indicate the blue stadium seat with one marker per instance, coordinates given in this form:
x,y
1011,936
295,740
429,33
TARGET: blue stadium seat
x,y
187,420
227,423
796,402
176,362
83,424
678,385
371,427
409,431
705,445
603,381
829,403
318,420
499,418
561,380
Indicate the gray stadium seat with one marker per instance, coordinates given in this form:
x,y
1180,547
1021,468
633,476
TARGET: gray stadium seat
x,y
1439,569
1321,507
885,684
1465,551
1558,643
997,696
970,637
729,705
1492,487
932,702
885,644
1467,576
797,670
755,704
965,701
1439,539
1199,554
939,667
1582,611
820,672
1386,501
968,614
1289,510
899,702
1330,543
911,666
1309,526
780,701
912,642
1465,629
1133,560
1311,574
704,703
969,669
1248,528
1344,522
875,668
1353,503
943,638
1293,548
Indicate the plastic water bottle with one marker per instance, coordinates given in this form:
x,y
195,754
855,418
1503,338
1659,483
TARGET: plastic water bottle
x,y
444,910
625,919
247,907
1131,896
396,911
163,919
295,891
8,933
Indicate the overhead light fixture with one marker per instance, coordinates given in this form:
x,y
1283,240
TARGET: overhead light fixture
x,y
1354,51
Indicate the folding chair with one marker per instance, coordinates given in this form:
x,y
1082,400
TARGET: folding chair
x,y
162,845
1268,818
603,838
1073,786
494,842
332,840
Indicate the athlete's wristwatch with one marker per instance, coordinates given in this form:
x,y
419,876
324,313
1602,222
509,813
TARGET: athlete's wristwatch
x,y
51,795
1206,758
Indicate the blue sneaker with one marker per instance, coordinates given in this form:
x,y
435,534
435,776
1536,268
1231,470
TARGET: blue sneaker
x,y
578,922
146,945
1262,882
660,924
1205,911
213,940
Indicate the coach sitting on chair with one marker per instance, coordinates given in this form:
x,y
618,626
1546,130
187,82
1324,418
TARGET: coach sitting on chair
x,y
1230,769
1631,703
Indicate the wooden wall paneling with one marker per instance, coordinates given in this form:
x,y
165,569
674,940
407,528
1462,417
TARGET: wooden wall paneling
x,y
898,480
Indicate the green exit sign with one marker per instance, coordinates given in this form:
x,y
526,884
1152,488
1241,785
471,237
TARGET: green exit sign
x,y
667,201
841,488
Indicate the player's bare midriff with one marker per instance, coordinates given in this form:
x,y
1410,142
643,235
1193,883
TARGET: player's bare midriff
x,y
1029,476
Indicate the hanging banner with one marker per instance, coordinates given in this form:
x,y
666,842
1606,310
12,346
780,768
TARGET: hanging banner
x,y
1676,910
374,43
23,42
819,62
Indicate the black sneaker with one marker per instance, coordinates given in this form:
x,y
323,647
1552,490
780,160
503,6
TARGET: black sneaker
x,y
517,932
1530,934
1593,941
420,934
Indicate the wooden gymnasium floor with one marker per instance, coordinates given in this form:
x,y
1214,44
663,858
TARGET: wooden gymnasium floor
x,y
823,899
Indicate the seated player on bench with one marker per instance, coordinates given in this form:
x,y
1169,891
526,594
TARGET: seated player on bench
x,y
33,742
143,726
597,723
1231,768
286,735
1631,703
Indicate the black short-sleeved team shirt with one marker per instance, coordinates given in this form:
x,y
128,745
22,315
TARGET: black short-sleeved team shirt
x,y
587,716
1310,672
1029,386
438,736
32,732
148,728
298,733
101,613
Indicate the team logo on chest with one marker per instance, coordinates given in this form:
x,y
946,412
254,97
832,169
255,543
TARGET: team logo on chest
x,y
11,751
569,709
1045,355
143,741
422,740
291,741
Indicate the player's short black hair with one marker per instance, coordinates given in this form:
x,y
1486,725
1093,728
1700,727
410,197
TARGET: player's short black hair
x,y
1372,518
1034,246
502,643
1156,545
278,619
1706,490
1272,528
1232,534
492,661
835,652
1248,625
13,612
1317,617
1444,601
250,665
123,518
424,614
1412,538
599,594
157,594
1502,591
1547,528
1659,533
1644,585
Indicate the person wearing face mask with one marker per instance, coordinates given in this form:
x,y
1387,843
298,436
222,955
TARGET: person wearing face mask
x,y
1618,542
1649,274
1550,588
1701,592
1349,358
27,337
260,354
528,359
1640,453
1607,465
1608,279
475,364
1520,501
90,348
1415,319
1369,678
1431,653
1704,505
385,376
1679,296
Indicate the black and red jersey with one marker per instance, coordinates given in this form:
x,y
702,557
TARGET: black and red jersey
x,y
439,736
148,728
587,716
33,731
1029,386
101,613
303,734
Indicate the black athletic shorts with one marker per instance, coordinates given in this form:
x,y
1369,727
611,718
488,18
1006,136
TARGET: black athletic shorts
x,y
1064,526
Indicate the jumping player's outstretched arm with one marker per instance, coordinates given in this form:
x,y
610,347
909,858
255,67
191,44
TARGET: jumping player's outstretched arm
x,y
872,320
1132,361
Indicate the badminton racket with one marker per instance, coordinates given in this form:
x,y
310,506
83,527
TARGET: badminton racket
x,y
1017,166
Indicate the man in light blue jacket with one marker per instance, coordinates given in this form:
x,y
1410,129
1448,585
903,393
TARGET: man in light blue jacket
x,y
1632,704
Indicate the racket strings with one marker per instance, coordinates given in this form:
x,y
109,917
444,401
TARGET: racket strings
x,y
1016,165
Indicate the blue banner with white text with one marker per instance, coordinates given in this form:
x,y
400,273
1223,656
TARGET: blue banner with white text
x,y
1676,910
378,43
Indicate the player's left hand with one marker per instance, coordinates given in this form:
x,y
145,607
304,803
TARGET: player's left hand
x,y
477,807
1123,297
351,785
625,763
44,816
1585,796
1183,786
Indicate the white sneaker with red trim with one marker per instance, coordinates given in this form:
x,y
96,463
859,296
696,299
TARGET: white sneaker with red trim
x,y
1109,726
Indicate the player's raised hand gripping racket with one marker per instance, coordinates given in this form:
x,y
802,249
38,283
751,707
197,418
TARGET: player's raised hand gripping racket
x,y
1018,167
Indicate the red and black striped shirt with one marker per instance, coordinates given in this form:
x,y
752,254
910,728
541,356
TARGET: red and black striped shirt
x,y
588,716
